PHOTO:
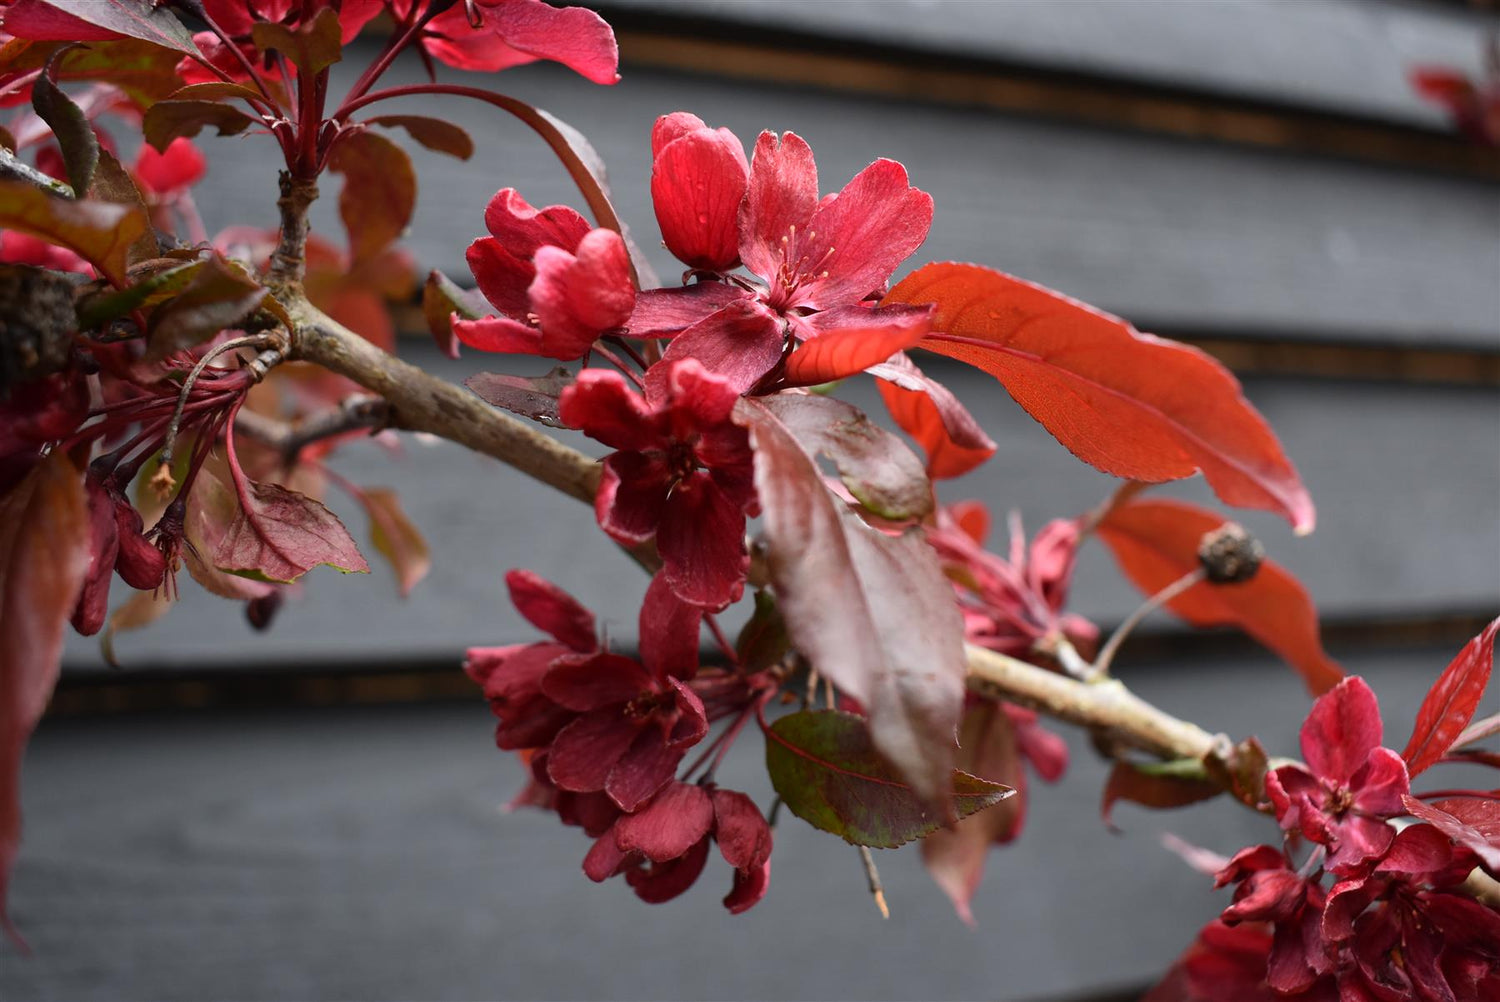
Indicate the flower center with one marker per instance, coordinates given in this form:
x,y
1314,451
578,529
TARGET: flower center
x,y
791,275
647,704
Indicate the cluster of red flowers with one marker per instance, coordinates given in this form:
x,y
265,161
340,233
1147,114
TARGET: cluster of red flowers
x,y
1375,912
604,735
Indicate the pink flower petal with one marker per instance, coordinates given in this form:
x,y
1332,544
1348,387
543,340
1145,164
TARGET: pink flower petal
x,y
1380,783
677,818
584,752
1341,731
668,312
646,766
602,405
740,343
701,539
859,237
782,195
500,334
180,167
521,229
664,881
594,681
741,830
632,496
669,629
697,184
749,887
698,399
692,721
502,276
604,859
576,299
552,610
669,128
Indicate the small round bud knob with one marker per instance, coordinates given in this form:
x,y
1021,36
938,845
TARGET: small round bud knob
x,y
1229,554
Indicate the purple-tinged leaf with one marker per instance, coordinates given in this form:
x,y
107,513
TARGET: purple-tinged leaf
x,y
71,128
1451,702
380,191
433,133
44,557
533,397
211,510
219,295
112,183
395,537
282,535
100,233
880,471
1158,785
1470,821
312,46
826,770
762,641
168,120
955,856
441,299
873,613
98,20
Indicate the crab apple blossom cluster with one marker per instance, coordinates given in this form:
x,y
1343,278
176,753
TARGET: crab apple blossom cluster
x,y
604,734
1376,910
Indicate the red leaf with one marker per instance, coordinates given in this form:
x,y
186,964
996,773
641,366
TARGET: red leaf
x,y
1127,403
826,770
101,232
169,120
1156,542
395,537
872,612
98,20
1451,702
877,467
1168,784
955,856
433,133
283,535
44,557
919,416
312,46
380,191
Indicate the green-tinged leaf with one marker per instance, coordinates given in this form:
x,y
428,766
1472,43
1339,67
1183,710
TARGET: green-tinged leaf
x,y
169,120
441,298
826,770
214,90
282,535
112,183
218,295
433,133
873,613
1157,784
313,45
533,397
880,471
395,537
98,20
70,127
762,641
101,307
99,232
380,191
44,557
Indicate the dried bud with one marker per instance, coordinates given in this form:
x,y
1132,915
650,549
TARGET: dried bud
x,y
260,611
162,482
1230,554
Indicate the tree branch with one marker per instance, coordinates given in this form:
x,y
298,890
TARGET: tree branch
x,y
352,414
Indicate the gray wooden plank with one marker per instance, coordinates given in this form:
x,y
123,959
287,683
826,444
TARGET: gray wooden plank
x,y
1166,232
1406,478
359,854
1345,56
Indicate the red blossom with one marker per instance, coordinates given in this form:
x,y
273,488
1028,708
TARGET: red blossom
x,y
683,474
560,284
1350,787
608,723
1013,606
167,174
663,848
819,261
23,248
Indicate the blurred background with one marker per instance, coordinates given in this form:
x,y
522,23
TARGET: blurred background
x,y
314,812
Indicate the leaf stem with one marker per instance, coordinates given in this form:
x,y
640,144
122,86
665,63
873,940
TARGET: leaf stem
x,y
873,876
1112,645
